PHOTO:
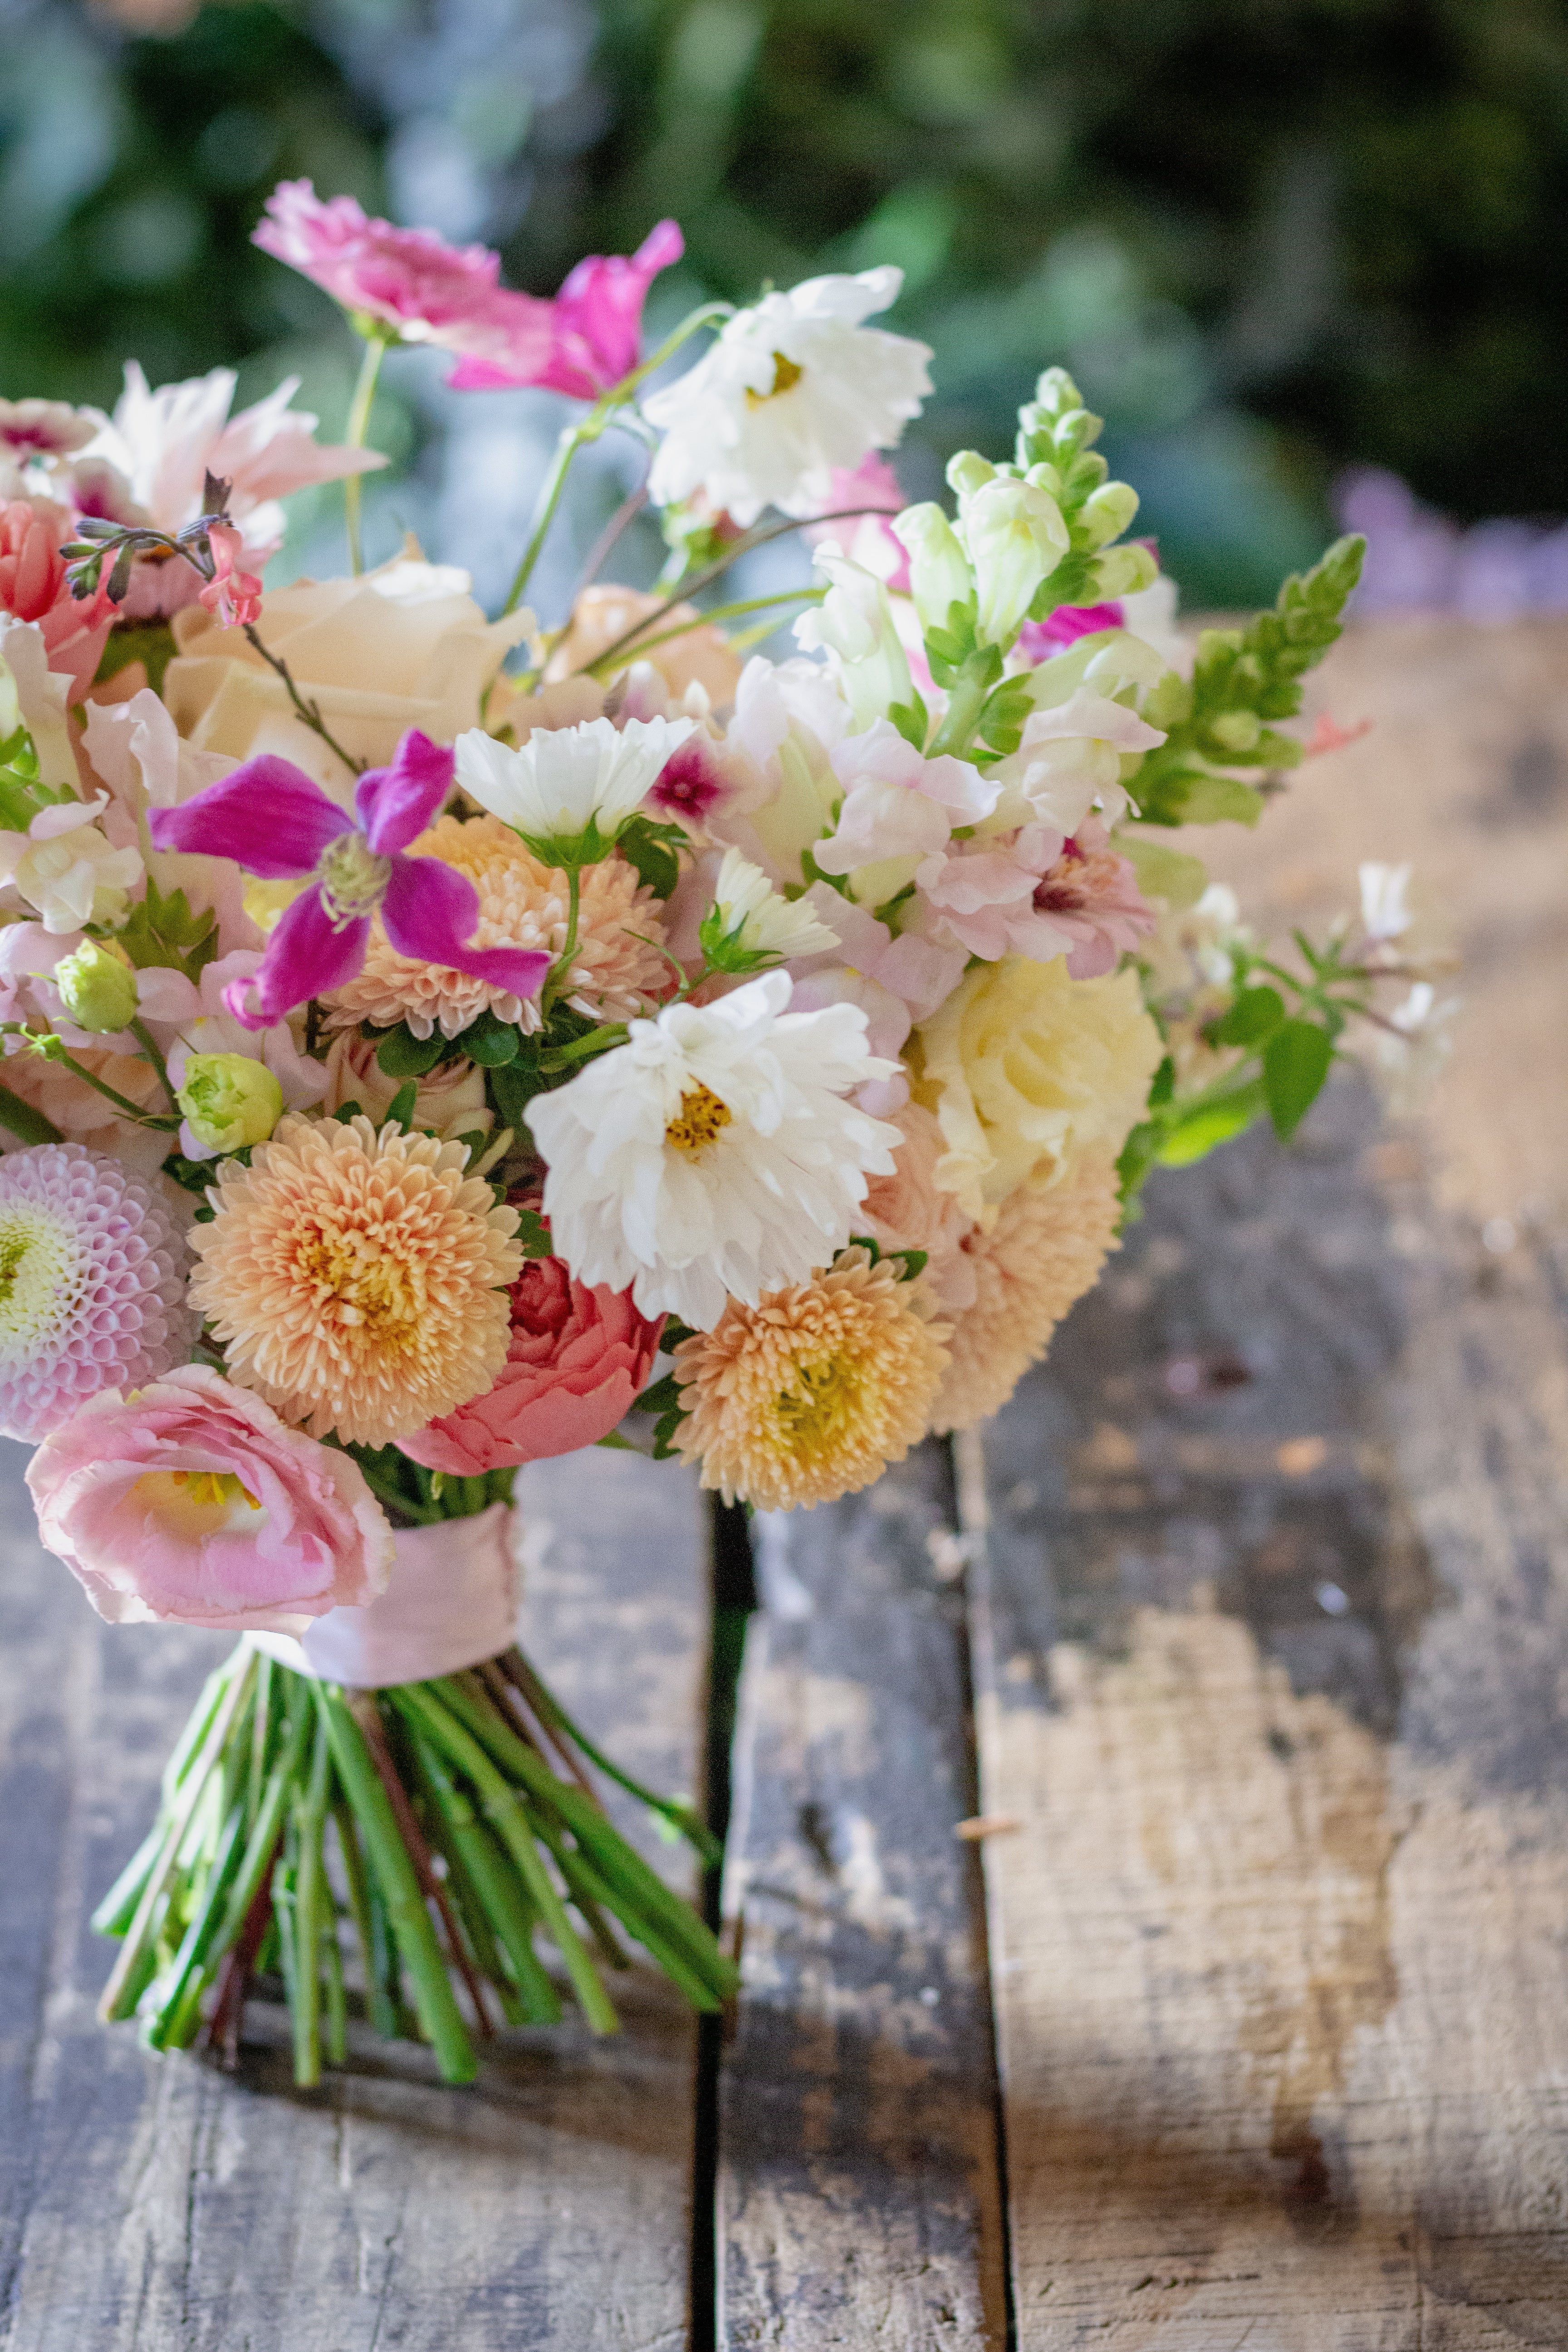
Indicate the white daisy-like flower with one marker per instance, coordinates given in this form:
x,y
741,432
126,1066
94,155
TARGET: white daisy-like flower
x,y
565,782
749,921
792,389
714,1155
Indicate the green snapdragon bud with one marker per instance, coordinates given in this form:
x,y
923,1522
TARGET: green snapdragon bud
x,y
97,987
1107,512
939,576
1123,571
229,1100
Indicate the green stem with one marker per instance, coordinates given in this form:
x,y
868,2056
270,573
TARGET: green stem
x,y
561,974
122,1103
411,1925
640,646
965,703
497,1885
359,426
29,1125
149,1046
548,1706
309,1888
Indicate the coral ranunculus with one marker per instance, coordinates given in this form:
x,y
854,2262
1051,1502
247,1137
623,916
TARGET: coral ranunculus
x,y
34,587
577,1358
188,1501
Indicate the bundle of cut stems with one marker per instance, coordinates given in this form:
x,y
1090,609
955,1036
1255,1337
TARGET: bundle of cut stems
x,y
468,1844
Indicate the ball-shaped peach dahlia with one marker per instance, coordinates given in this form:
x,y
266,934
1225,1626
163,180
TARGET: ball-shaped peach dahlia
x,y
522,903
810,1394
1043,1252
356,1280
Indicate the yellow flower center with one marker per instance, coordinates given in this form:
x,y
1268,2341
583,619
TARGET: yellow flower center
x,y
371,1290
192,1505
352,878
702,1117
787,375
819,1407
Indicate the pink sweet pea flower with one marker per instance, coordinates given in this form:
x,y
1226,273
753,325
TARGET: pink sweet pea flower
x,y
1037,895
584,342
268,817
898,803
233,594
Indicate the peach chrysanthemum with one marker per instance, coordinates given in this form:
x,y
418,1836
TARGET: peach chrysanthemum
x,y
810,1394
1043,1252
357,1281
522,903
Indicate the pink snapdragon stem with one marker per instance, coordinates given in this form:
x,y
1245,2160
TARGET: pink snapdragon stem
x,y
270,819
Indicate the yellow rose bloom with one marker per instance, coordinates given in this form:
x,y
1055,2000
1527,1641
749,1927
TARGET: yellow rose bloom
x,y
1026,1068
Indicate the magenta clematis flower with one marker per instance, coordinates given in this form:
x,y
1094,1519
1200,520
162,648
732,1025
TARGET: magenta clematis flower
x,y
582,342
268,817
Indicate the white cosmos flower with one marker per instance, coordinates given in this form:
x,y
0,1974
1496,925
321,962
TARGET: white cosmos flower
x,y
749,920
565,778
714,1154
792,389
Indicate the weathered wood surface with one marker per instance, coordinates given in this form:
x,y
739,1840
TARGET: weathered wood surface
x,y
858,2196
152,2205
1278,1566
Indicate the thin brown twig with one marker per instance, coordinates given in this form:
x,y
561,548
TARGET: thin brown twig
x,y
512,1668
366,1714
309,712
234,1978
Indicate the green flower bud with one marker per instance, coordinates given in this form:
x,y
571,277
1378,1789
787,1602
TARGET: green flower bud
x,y
939,569
1106,513
229,1100
1123,571
1015,537
97,987
1239,731
969,472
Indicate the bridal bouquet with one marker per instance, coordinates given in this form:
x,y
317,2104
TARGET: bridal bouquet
x,y
434,1042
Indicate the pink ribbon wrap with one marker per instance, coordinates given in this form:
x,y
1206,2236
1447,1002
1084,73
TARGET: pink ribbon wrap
x,y
451,1599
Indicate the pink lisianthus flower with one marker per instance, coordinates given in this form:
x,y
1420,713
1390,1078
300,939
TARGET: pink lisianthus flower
x,y
270,818
584,342
577,1358
34,587
189,1501
233,594
1092,895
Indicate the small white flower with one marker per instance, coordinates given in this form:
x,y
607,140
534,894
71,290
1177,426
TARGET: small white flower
x,y
1015,537
792,389
564,780
854,625
714,1154
1383,910
750,920
1409,1059
63,867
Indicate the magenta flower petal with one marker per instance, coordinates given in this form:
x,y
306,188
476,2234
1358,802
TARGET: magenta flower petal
x,y
509,341
430,909
308,955
266,815
394,805
603,299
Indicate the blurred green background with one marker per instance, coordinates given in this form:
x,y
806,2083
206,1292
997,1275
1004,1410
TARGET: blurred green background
x,y
1271,237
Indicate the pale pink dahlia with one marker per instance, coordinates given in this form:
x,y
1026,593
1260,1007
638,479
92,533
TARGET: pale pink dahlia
x,y
92,1284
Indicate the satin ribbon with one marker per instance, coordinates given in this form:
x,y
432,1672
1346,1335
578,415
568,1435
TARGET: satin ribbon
x,y
451,1599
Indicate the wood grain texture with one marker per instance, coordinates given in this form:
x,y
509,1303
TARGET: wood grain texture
x,y
857,2195
151,2205
1278,1601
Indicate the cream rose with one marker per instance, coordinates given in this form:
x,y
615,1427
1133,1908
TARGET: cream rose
x,y
698,656
451,1100
1024,1069
405,647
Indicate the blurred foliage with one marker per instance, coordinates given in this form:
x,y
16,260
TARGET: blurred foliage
x,y
1267,238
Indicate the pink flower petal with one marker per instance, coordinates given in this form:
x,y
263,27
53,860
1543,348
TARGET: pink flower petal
x,y
430,910
266,815
394,805
308,955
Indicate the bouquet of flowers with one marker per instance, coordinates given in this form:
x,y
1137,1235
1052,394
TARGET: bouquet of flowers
x,y
434,1042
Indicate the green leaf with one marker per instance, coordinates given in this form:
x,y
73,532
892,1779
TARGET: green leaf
x,y
513,1086
150,643
403,1056
647,846
1163,1086
912,721
1162,873
1255,1015
162,931
400,1109
1219,799
1194,1137
533,1235
491,1042
1295,1063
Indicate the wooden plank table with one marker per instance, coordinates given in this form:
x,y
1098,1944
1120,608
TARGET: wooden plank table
x,y
1251,1611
